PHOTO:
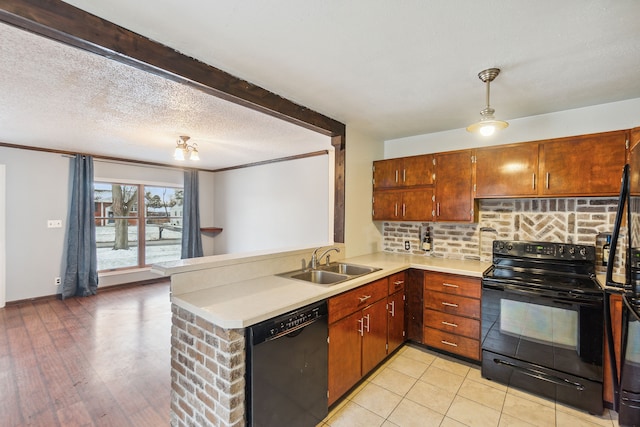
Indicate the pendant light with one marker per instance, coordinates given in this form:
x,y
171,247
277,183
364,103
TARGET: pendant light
x,y
487,124
182,149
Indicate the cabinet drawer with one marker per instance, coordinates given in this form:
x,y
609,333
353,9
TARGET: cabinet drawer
x,y
396,283
453,284
453,324
465,347
356,299
452,304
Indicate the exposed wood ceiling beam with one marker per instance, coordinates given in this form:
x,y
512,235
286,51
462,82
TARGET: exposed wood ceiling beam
x,y
68,24
65,23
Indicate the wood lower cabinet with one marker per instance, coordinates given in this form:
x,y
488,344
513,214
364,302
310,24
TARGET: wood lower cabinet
x,y
395,312
357,335
414,290
365,325
616,320
451,315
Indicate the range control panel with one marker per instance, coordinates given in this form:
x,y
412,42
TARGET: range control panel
x,y
544,250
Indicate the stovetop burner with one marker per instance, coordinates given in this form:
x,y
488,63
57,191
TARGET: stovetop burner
x,y
555,266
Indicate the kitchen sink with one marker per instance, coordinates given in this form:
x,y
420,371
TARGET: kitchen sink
x,y
349,269
321,277
331,274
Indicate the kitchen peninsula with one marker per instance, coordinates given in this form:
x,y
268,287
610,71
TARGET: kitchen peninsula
x,y
215,298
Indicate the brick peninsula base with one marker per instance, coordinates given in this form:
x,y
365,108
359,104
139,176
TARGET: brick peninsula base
x,y
207,372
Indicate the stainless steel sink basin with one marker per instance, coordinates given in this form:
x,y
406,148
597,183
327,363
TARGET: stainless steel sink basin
x,y
349,269
331,274
321,277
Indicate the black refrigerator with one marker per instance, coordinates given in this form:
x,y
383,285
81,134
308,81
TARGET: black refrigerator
x,y
626,241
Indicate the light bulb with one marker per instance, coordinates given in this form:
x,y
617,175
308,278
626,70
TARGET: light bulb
x,y
178,154
487,130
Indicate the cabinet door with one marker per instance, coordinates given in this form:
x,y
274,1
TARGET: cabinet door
x,y
634,161
507,171
417,170
417,205
583,165
387,173
344,355
616,321
454,198
387,205
374,338
395,313
415,305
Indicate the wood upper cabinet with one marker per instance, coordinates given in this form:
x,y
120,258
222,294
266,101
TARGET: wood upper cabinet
x,y
507,171
634,159
583,165
454,186
404,205
403,172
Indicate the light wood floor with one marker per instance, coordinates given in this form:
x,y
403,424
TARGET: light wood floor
x,y
95,361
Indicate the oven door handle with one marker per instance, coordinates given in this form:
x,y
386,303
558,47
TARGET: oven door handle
x,y
540,375
571,298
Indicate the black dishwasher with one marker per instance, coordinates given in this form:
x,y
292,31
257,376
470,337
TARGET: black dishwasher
x,y
287,369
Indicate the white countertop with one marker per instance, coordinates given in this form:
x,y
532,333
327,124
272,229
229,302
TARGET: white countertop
x,y
247,302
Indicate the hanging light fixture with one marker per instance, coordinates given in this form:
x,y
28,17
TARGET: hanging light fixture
x,y
182,149
487,124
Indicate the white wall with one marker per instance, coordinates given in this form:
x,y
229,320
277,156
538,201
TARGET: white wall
x,y
275,206
37,189
362,235
598,118
3,264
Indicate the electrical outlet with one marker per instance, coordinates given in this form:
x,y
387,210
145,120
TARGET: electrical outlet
x,y
57,281
407,245
54,223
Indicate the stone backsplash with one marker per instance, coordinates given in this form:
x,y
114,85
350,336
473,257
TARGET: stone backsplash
x,y
569,220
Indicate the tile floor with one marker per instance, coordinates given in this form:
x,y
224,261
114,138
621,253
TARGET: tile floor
x,y
417,387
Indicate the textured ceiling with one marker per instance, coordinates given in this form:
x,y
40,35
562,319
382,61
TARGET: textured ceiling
x,y
57,96
391,69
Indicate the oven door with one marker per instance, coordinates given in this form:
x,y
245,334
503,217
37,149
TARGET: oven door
x,y
544,342
558,330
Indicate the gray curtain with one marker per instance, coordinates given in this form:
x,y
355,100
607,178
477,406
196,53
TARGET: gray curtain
x,y
191,238
81,274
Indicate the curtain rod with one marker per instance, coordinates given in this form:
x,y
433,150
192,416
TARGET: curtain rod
x,y
159,165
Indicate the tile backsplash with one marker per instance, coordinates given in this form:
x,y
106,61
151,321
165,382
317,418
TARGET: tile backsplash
x,y
569,220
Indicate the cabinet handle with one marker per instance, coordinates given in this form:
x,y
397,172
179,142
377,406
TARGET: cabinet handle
x,y
449,324
450,285
364,298
448,304
368,321
395,211
404,175
533,181
393,309
398,282
449,343
396,176
547,180
404,210
361,327
438,209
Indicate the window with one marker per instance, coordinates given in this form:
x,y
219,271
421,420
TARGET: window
x,y
129,237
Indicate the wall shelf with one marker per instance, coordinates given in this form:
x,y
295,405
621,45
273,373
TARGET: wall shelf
x,y
214,230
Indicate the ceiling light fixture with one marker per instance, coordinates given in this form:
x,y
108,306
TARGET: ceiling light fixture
x,y
182,149
488,124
